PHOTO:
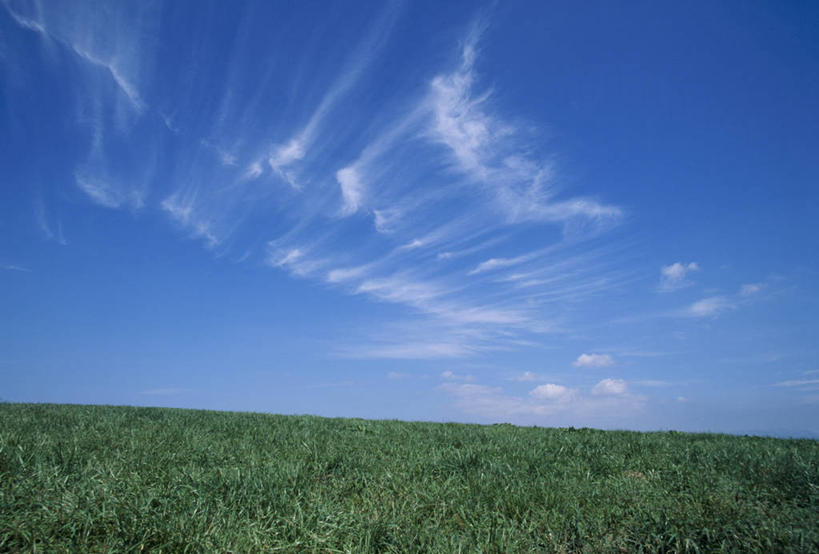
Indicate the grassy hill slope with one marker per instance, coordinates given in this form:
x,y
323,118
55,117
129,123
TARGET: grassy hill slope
x,y
88,478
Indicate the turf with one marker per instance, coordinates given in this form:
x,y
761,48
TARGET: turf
x,y
119,479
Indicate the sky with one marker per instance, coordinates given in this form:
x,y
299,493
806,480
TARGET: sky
x,y
543,213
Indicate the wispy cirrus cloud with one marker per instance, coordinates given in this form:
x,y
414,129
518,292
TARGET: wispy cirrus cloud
x,y
498,263
53,232
425,212
487,149
102,192
425,348
284,155
805,387
181,210
15,267
424,270
799,383
110,60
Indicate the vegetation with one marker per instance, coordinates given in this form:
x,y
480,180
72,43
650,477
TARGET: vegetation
x,y
93,478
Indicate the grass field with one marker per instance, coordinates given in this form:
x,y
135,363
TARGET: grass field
x,y
83,478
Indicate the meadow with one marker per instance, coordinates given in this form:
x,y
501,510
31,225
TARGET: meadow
x,y
122,479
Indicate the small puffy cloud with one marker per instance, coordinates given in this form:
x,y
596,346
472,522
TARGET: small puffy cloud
x,y
551,391
674,276
750,289
395,376
610,387
593,360
711,306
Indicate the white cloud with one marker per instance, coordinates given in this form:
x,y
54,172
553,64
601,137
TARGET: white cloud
x,y
352,189
25,22
450,376
495,263
414,243
346,274
482,175
488,150
527,377
750,289
551,392
295,149
286,154
127,88
450,222
402,290
593,360
103,193
11,267
610,387
181,211
485,401
295,260
550,404
253,171
386,220
99,191
396,376
408,350
653,383
83,35
674,276
799,383
42,222
283,156
706,307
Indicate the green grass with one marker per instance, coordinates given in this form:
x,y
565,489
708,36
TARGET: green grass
x,y
100,479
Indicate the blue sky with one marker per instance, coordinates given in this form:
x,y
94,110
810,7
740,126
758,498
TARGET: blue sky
x,y
598,214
